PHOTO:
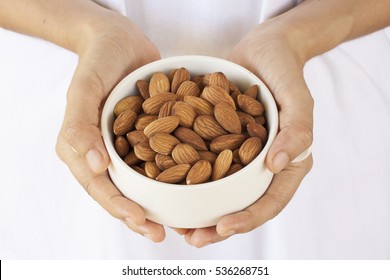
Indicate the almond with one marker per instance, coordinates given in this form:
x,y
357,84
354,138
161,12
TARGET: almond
x,y
167,124
245,119
159,83
201,106
198,79
184,153
163,143
143,88
234,168
164,162
152,105
187,88
208,127
250,150
174,174
144,120
133,102
144,152
199,173
233,88
216,94
124,122
181,75
166,109
185,112
139,169
152,170
131,159
257,130
234,95
250,105
217,79
188,136
260,120
208,155
135,136
236,156
252,91
122,146
227,142
222,164
227,117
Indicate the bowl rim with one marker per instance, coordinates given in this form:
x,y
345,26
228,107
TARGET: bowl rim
x,y
106,134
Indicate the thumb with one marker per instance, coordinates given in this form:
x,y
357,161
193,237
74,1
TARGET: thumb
x,y
295,125
81,124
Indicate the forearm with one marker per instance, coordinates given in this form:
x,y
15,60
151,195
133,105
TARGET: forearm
x,y
66,23
317,26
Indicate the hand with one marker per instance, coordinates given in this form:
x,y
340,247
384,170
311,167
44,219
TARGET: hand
x,y
268,54
114,48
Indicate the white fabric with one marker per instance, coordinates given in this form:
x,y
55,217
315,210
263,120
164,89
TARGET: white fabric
x,y
341,210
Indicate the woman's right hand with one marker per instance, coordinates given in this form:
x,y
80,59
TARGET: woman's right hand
x,y
113,48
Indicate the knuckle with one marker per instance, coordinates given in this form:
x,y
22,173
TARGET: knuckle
x,y
306,135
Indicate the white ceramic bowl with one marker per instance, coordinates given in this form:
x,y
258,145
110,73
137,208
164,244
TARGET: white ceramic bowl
x,y
199,205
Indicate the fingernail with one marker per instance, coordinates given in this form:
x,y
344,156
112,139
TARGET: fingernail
x,y
280,161
149,236
94,159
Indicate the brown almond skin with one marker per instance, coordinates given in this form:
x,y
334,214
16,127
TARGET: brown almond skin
x,y
245,119
199,173
201,106
187,88
166,109
143,88
133,102
227,117
174,174
153,105
122,146
252,91
135,136
227,142
208,155
260,120
124,122
163,143
152,170
159,82
181,75
184,153
144,120
257,130
188,136
164,162
167,124
144,152
222,165
139,169
249,105
185,112
208,127
234,168
216,94
250,149
217,79
131,159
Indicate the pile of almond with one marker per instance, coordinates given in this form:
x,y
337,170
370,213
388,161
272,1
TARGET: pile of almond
x,y
189,130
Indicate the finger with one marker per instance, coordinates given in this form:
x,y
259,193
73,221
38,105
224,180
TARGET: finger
x,y
280,192
181,231
102,190
81,123
296,129
202,237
